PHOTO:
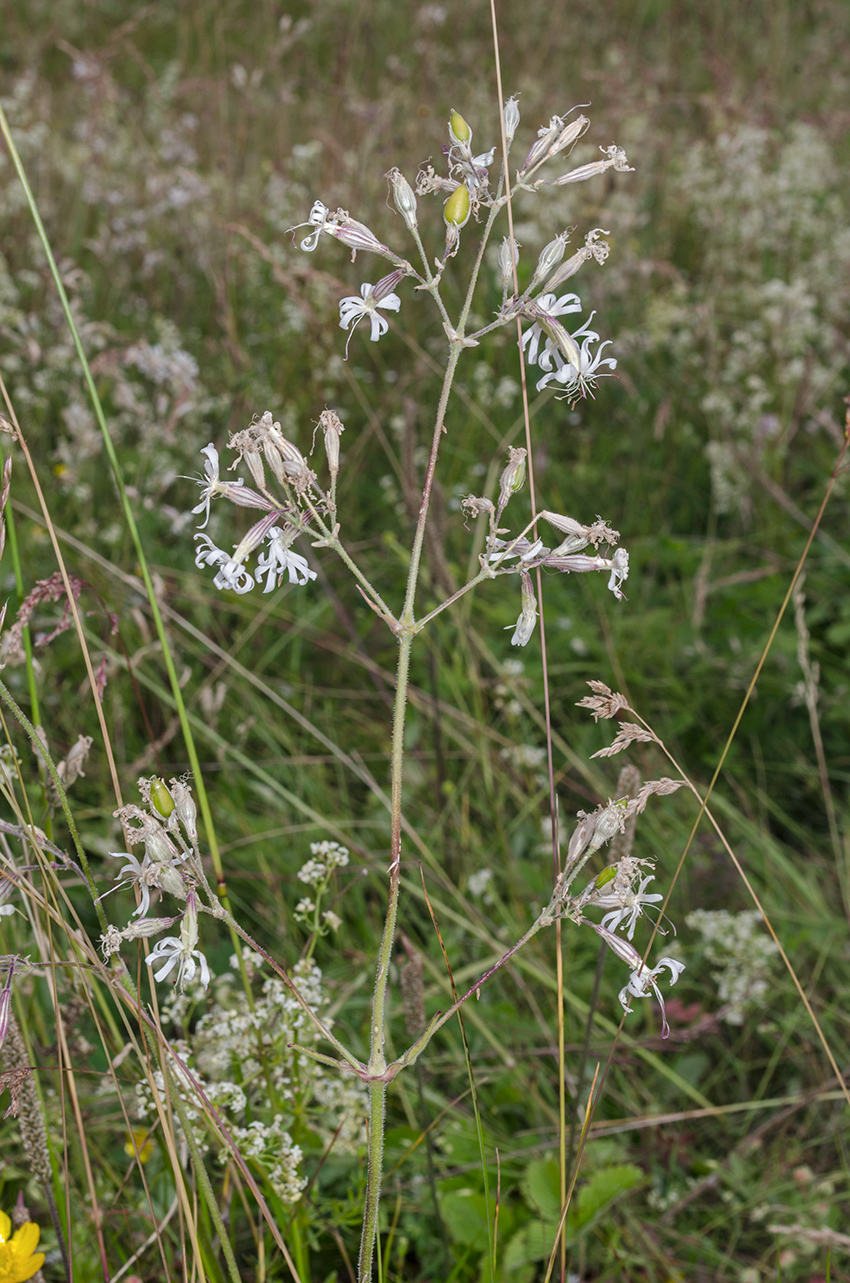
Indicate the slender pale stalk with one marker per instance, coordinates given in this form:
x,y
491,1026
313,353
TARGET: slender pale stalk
x,y
405,631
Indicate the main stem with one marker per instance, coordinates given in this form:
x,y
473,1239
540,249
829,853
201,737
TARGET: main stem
x,y
406,630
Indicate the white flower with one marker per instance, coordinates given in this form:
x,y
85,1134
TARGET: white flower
x,y
280,558
581,380
619,572
313,872
640,982
333,920
133,871
232,574
211,486
182,953
319,221
174,953
352,310
552,307
627,906
528,615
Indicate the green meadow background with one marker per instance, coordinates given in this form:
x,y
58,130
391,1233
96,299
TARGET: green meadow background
x,y
171,146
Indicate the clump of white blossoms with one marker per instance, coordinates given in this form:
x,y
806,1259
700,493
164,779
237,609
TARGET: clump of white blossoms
x,y
742,954
172,866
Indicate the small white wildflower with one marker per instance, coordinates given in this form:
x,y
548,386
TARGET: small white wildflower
x,y
333,920
231,573
280,559
211,486
313,873
183,952
304,910
528,615
320,222
576,379
626,906
641,981
173,953
478,882
352,310
333,854
551,306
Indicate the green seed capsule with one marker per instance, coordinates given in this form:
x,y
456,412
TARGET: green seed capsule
x,y
161,798
456,209
460,129
607,875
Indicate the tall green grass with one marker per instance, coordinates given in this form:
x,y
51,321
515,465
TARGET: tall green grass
x,y
167,179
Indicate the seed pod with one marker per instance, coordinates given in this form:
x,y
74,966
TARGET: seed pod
x,y
161,799
507,261
511,119
404,198
459,129
456,208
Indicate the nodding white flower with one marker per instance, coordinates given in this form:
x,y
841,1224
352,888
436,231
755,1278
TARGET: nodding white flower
x,y
231,574
172,953
578,381
182,953
319,220
549,305
133,871
280,558
640,982
619,572
528,615
626,906
211,486
353,309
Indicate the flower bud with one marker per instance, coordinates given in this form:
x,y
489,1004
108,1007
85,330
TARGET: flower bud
x,y
550,257
187,811
513,476
144,928
459,129
332,429
158,845
508,261
168,879
161,799
528,616
189,925
511,119
387,284
627,952
404,198
456,208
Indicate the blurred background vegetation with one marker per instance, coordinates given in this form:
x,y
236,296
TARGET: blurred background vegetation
x,y
171,147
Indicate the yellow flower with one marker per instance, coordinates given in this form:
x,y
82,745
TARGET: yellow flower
x,y
18,1257
139,1144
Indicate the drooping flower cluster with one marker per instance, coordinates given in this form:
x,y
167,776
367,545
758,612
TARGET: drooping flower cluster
x,y
620,889
570,362
171,865
521,554
285,517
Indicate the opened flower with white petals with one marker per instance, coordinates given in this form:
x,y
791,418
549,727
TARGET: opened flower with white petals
x,y
626,906
279,558
579,380
352,310
231,574
641,981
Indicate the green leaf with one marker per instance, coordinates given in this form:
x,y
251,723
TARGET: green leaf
x,y
463,1212
601,1190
